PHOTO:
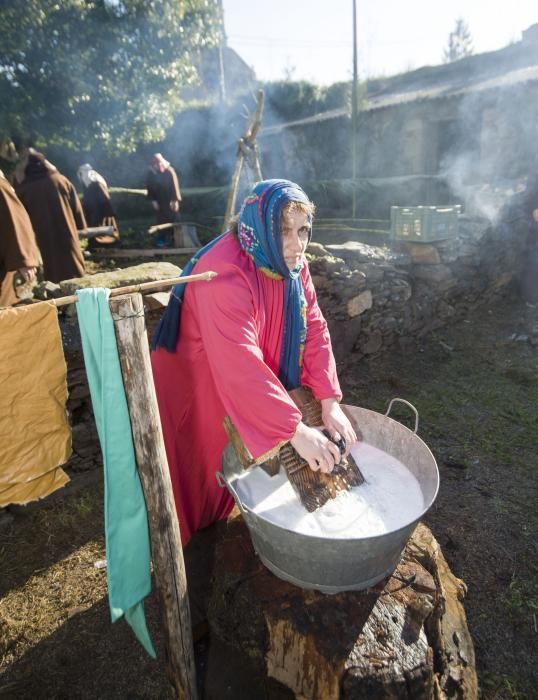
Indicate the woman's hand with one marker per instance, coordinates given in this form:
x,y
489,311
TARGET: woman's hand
x,y
337,423
320,453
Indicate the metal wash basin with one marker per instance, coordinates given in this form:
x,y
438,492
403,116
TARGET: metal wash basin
x,y
332,565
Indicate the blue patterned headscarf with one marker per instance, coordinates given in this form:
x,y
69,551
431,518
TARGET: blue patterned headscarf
x,y
259,235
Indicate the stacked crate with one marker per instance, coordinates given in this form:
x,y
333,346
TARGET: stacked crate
x,y
424,224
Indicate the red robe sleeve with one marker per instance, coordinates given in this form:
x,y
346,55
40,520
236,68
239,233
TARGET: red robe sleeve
x,y
252,395
319,366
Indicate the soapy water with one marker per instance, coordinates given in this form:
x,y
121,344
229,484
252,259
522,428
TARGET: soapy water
x,y
389,498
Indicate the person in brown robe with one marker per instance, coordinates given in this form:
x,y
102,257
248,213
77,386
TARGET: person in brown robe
x,y
56,214
18,248
97,206
163,190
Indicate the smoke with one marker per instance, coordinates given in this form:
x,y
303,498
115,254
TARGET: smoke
x,y
480,199
491,155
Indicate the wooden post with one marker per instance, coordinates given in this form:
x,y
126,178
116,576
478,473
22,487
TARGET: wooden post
x,y
166,551
354,115
247,153
232,195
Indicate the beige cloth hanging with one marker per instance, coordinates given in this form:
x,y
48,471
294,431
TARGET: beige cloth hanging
x,y
35,437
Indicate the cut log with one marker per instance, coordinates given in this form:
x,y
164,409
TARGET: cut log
x,y
406,637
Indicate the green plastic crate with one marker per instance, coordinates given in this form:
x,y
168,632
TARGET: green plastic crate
x,y
424,224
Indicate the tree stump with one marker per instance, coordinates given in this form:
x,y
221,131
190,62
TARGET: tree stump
x,y
406,637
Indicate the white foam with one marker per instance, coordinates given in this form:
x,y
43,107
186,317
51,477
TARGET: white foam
x,y
389,499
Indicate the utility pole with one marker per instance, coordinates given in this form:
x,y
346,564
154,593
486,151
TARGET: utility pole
x,y
354,114
222,45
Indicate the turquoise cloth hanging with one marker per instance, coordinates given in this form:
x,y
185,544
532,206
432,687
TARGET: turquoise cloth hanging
x,y
126,520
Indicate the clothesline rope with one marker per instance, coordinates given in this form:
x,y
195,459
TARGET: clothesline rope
x,y
143,287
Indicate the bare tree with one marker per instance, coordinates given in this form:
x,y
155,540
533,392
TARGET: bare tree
x,y
460,42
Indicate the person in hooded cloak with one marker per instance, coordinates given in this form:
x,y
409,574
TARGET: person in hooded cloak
x,y
97,206
18,247
163,190
56,214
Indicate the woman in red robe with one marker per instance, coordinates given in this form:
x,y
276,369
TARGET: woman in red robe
x,y
245,338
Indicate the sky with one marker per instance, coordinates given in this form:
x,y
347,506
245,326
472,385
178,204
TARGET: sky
x,y
313,39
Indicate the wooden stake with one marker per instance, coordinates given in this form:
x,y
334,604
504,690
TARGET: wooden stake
x,y
247,151
166,551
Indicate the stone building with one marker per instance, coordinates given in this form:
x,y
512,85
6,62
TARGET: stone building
x,y
430,136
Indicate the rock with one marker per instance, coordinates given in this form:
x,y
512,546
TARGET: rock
x,y
146,272
353,252
434,274
423,253
344,335
373,343
388,324
357,305
358,279
401,291
83,435
79,392
47,290
316,249
372,272
157,300
320,282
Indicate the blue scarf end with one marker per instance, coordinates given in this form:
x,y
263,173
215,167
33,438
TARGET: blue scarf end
x,y
168,328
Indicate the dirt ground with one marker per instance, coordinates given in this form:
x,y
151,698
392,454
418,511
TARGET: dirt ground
x,y
475,386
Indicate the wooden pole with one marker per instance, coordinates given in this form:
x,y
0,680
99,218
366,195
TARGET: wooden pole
x,y
141,252
354,115
161,227
93,231
142,287
232,195
166,551
246,147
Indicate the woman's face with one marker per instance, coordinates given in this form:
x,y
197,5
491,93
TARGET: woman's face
x,y
295,234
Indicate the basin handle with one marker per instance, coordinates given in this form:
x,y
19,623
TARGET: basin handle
x,y
221,481
407,404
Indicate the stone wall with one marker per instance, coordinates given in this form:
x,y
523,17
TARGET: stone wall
x,y
86,453
377,298
374,299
